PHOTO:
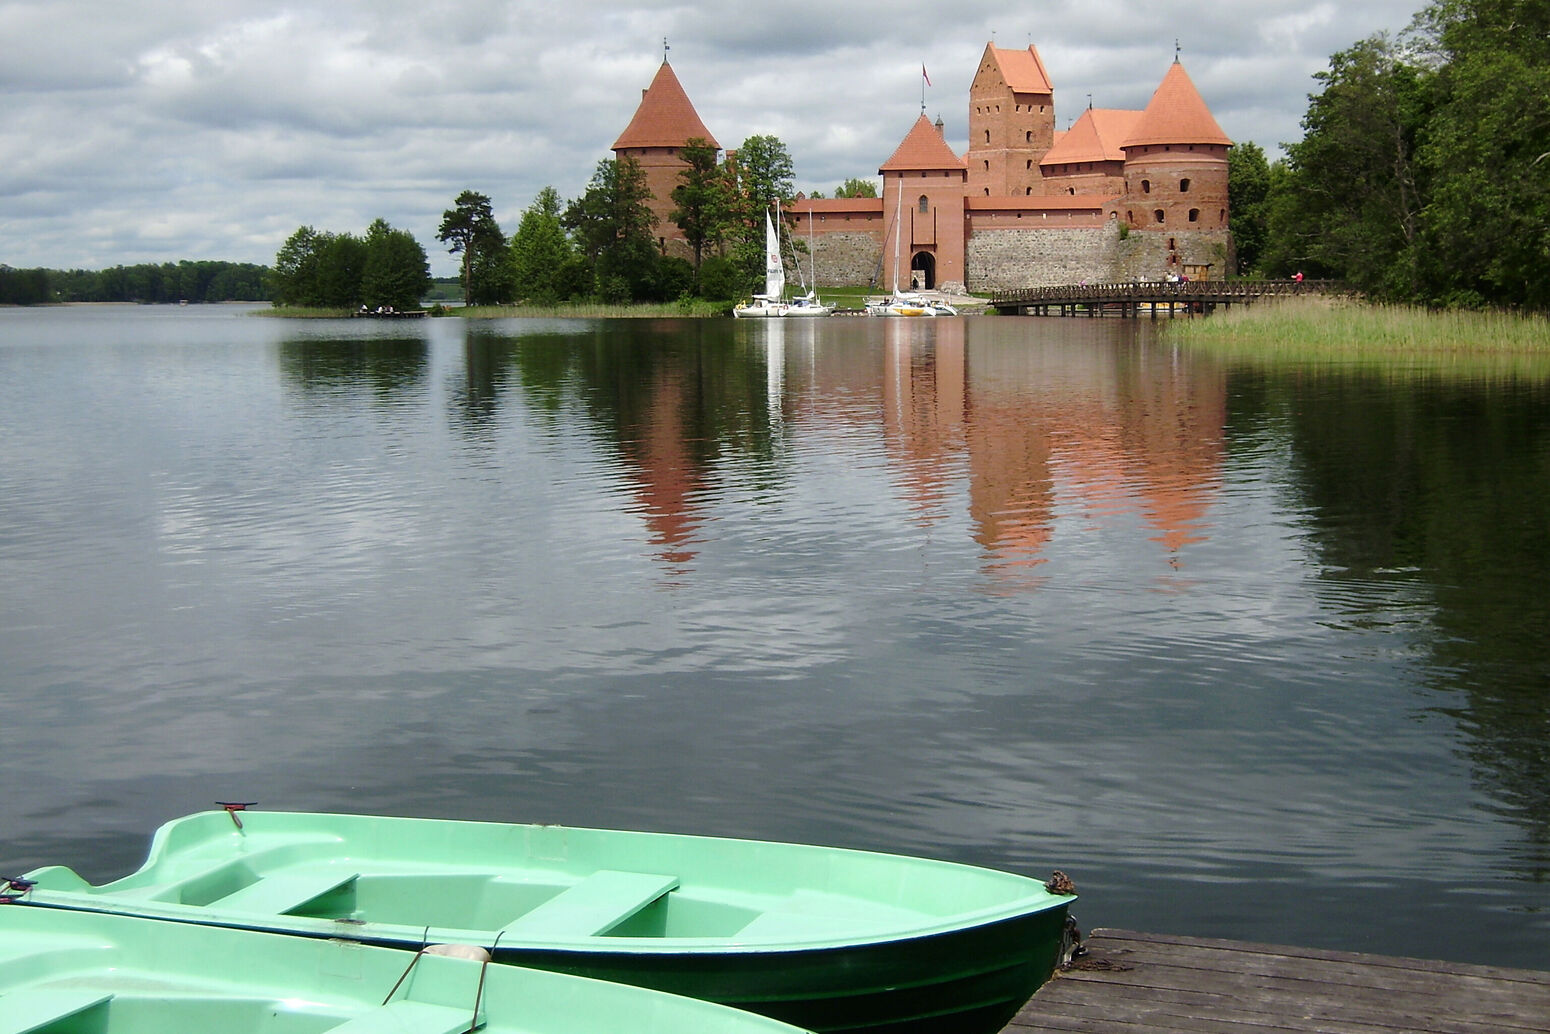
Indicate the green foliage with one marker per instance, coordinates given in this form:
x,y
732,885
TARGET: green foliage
x,y
540,253
396,273
700,197
612,226
319,269
721,279
857,188
1355,193
1248,192
293,280
24,286
1487,154
672,278
764,171
761,176
341,262
469,228
1420,177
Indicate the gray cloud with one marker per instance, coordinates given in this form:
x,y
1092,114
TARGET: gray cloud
x,y
170,129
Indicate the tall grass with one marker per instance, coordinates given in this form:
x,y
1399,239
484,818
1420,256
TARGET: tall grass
x,y
1329,328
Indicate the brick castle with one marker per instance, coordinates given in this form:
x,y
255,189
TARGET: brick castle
x,y
1120,195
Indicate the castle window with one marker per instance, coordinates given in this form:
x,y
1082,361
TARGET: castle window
x,y
1028,137
987,136
1146,186
1028,191
925,205
1157,216
987,165
1029,165
1194,215
1071,191
1184,186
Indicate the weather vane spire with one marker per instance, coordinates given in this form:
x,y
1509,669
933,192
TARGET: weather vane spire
x,y
665,49
1175,51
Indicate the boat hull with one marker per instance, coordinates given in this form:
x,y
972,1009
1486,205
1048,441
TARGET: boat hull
x,y
967,982
81,972
825,939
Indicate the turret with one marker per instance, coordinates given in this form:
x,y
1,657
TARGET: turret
x,y
1176,162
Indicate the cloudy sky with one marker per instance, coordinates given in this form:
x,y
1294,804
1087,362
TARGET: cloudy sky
x,y
168,129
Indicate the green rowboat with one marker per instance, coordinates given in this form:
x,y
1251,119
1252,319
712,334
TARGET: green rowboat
x,y
84,973
824,939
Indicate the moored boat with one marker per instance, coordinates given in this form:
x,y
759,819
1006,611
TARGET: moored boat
x,y
770,303
88,973
825,939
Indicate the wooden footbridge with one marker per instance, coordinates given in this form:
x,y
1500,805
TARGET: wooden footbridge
x,y
1156,298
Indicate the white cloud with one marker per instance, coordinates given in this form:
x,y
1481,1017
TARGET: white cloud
x,y
178,129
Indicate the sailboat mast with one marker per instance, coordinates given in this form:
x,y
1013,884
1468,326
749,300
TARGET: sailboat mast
x,y
898,231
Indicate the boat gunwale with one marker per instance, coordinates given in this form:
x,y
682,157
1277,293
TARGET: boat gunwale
x,y
104,899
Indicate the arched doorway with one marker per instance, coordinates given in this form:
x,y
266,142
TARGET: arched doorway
x,y
923,270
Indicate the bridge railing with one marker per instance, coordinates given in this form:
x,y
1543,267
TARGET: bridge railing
x,y
1165,290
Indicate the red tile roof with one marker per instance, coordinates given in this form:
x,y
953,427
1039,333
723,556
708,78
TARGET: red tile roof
x,y
1176,114
1098,136
665,117
922,149
1023,70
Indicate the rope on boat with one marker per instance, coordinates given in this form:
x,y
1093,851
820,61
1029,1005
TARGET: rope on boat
x,y
1071,946
15,889
473,1024
232,807
424,943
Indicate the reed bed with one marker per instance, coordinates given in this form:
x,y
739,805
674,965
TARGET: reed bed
x,y
1342,329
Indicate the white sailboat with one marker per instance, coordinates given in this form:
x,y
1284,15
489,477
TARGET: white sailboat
x,y
771,302
808,304
906,303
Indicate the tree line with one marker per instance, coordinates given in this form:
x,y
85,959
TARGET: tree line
x,y
606,246
385,268
187,281
1423,170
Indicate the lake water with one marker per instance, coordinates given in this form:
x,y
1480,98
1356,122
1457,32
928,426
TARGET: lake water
x,y
1254,651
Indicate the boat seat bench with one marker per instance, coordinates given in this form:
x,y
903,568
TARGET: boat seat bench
x,y
34,1008
592,906
278,894
405,1017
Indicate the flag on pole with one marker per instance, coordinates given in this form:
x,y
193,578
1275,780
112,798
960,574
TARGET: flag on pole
x,y
924,76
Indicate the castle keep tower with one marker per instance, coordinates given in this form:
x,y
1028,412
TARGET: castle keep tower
x,y
1011,123
664,122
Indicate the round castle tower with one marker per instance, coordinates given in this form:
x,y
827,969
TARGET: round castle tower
x,y
1175,162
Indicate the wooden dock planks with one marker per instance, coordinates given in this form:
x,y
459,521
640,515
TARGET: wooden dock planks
x,y
1139,983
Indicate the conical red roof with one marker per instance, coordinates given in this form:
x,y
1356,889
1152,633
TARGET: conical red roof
x,y
665,117
922,149
1176,114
